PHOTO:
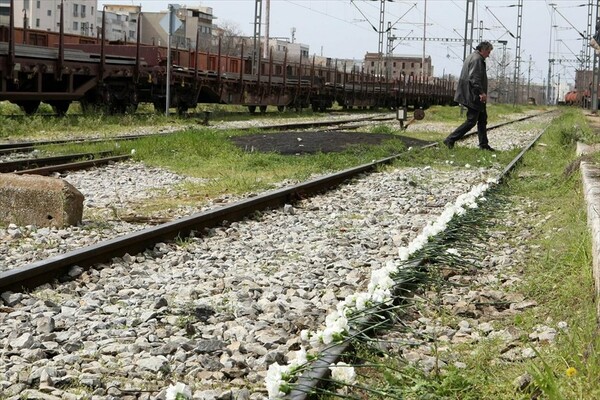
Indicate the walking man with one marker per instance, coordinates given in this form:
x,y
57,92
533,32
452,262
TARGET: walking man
x,y
472,93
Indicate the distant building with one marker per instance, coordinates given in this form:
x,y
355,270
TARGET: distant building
x,y
397,66
294,50
190,23
79,15
120,22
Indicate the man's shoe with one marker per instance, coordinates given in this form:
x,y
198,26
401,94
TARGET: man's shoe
x,y
487,147
449,144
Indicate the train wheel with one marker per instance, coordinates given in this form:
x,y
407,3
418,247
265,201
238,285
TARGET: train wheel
x,y
159,105
131,108
263,109
118,107
252,109
182,109
60,107
29,107
281,108
134,100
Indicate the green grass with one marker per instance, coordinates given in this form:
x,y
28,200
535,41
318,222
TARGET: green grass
x,y
556,274
38,127
225,168
496,112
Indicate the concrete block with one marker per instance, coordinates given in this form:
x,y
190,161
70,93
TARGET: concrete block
x,y
583,149
590,175
39,200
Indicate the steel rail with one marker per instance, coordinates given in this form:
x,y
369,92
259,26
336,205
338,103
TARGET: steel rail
x,y
17,165
44,271
74,166
16,147
314,124
317,373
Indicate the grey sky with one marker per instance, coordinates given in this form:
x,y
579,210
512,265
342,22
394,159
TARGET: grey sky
x,y
348,29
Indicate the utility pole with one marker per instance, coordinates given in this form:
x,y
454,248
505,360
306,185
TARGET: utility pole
x,y
503,85
586,40
529,79
550,59
424,39
469,19
388,53
594,88
256,52
267,20
169,37
380,31
518,52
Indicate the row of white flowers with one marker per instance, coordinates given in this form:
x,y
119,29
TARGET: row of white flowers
x,y
379,292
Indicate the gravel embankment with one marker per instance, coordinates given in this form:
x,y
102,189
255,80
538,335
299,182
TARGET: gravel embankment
x,y
212,311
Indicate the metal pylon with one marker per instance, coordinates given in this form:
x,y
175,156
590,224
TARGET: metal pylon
x,y
517,74
469,20
381,32
256,43
591,27
594,88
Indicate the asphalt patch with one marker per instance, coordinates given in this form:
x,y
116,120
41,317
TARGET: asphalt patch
x,y
292,143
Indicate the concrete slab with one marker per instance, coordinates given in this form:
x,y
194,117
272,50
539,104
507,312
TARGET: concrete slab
x,y
39,200
590,174
583,149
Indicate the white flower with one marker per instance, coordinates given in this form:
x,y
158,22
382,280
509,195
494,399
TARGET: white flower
x,y
316,339
179,390
301,358
467,165
337,322
343,372
305,335
563,326
379,292
380,279
132,151
327,335
454,252
274,380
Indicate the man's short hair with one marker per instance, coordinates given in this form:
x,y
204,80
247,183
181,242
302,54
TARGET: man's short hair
x,y
485,45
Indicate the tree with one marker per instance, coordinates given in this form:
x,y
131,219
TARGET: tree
x,y
231,38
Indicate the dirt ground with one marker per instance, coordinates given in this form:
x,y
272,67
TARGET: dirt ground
x,y
292,143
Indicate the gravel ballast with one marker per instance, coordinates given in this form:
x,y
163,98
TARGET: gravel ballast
x,y
214,311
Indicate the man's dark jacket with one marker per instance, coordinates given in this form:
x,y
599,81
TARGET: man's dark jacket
x,y
472,82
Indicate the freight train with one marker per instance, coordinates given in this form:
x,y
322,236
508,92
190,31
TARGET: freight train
x,y
58,69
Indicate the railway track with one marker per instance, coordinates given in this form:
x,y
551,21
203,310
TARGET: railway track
x,y
58,164
29,146
260,284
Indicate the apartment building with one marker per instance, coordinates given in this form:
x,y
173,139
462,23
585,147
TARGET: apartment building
x,y
189,22
397,66
120,22
79,15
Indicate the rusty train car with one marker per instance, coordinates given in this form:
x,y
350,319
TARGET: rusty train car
x,y
58,69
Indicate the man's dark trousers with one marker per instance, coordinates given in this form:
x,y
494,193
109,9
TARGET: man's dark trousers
x,y
474,117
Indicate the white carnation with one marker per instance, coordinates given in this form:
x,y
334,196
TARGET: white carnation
x,y
343,372
180,389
